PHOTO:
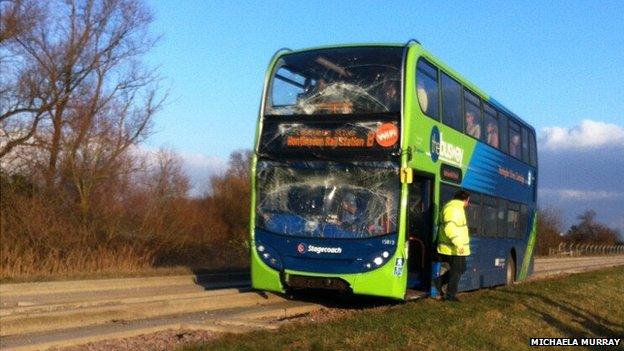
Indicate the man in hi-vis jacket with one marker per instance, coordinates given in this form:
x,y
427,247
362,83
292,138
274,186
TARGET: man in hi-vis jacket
x,y
453,243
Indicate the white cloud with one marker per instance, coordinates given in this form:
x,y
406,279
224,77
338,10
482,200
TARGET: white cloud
x,y
198,167
211,164
588,134
580,195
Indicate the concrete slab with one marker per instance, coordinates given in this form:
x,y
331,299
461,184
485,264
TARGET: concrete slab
x,y
32,308
56,287
205,320
30,323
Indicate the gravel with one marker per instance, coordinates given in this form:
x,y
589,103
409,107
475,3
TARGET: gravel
x,y
165,340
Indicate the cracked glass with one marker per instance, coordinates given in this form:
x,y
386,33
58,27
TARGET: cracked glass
x,y
328,199
336,81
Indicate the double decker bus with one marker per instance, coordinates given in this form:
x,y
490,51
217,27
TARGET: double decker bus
x,y
358,148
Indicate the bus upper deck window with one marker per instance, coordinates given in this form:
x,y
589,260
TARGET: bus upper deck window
x,y
451,102
515,143
427,89
503,133
336,81
491,126
525,145
472,105
533,151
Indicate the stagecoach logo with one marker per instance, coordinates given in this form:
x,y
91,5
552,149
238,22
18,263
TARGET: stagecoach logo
x,y
301,248
443,150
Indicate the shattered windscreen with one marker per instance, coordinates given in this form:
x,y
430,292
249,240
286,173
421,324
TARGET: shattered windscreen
x,y
331,200
336,81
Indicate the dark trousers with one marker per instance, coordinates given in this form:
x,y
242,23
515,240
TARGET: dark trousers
x,y
451,277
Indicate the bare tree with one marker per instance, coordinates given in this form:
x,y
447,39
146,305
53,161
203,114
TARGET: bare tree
x,y
83,95
17,18
23,97
549,229
228,203
589,230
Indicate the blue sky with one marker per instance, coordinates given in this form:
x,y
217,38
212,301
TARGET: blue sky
x,y
559,65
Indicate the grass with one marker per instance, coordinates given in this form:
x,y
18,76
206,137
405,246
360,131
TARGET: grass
x,y
581,305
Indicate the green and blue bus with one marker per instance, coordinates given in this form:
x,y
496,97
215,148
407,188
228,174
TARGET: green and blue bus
x,y
357,149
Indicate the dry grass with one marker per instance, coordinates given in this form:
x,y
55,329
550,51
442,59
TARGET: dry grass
x,y
143,224
30,263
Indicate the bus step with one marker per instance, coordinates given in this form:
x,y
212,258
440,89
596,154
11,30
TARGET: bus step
x,y
411,294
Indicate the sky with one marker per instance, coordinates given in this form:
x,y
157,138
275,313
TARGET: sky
x,y
557,64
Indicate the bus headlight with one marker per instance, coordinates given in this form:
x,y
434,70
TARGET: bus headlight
x,y
269,256
376,259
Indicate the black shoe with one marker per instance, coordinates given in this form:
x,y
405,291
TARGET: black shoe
x,y
438,285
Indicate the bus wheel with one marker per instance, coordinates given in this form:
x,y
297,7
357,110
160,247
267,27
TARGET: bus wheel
x,y
511,270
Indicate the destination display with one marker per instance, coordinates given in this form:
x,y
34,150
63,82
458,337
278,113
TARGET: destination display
x,y
451,174
332,138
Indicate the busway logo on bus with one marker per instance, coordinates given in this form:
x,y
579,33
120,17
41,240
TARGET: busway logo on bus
x,y
443,150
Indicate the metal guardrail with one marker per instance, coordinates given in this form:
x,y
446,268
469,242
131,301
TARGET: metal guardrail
x,y
565,249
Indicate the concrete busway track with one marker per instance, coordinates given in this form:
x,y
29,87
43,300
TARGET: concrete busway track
x,y
37,316
548,266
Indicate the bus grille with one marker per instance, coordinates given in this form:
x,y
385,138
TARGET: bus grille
x,y
304,282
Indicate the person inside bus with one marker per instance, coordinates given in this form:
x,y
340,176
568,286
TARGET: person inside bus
x,y
514,145
390,95
453,244
423,97
350,215
473,127
492,133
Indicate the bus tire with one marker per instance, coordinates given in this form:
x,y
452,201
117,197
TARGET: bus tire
x,y
510,270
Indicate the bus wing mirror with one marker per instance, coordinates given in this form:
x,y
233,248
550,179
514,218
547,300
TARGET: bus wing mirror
x,y
407,175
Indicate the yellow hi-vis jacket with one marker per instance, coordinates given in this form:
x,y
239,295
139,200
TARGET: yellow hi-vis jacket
x,y
454,230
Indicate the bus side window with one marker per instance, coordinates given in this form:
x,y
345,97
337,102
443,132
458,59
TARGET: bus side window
x,y
491,126
472,114
473,215
503,132
515,142
513,220
427,89
451,102
446,193
502,218
525,145
533,150
490,215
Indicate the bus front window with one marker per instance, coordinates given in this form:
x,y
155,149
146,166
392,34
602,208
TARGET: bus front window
x,y
315,199
336,81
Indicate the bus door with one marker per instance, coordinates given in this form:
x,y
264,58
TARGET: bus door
x,y
419,233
